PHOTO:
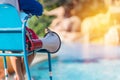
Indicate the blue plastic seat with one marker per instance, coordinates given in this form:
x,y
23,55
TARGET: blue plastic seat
x,y
11,30
12,37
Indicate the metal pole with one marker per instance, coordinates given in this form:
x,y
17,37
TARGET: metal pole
x,y
50,66
5,66
27,66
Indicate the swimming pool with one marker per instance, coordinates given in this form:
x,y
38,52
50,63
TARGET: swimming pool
x,y
78,70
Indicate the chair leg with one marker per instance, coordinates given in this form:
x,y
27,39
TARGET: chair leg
x,y
50,67
27,67
5,68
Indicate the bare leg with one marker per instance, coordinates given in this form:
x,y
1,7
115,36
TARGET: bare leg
x,y
16,63
18,66
30,59
2,74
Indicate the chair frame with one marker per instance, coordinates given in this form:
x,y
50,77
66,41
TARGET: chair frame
x,y
24,53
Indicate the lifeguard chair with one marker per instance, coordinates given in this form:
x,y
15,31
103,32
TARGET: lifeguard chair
x,y
13,38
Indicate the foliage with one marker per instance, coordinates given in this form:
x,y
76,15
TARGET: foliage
x,y
50,4
38,24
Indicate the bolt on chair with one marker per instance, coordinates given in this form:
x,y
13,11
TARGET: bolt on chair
x,y
13,38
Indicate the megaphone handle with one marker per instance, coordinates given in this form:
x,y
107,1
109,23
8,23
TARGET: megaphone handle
x,y
48,30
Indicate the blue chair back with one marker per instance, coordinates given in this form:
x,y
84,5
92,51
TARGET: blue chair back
x,y
11,30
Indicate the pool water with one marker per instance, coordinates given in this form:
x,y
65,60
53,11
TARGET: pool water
x,y
78,70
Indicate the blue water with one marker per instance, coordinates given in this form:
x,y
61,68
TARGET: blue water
x,y
78,70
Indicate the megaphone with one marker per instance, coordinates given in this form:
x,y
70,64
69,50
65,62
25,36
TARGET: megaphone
x,y
51,42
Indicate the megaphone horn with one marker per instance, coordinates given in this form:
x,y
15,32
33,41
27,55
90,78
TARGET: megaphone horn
x,y
51,42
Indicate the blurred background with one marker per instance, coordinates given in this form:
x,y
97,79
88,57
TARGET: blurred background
x,y
89,28
83,21
90,34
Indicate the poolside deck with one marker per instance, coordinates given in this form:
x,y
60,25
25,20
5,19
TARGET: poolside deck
x,y
38,58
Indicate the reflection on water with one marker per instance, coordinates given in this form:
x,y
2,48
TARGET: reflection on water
x,y
102,70
77,51
71,63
